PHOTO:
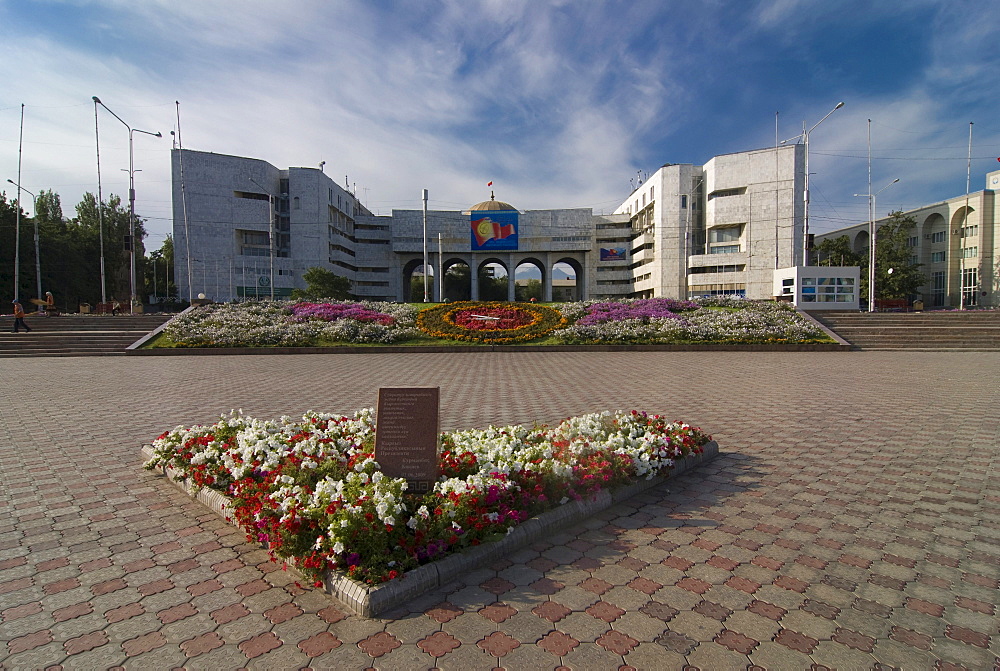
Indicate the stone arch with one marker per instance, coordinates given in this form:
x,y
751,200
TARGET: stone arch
x,y
861,242
574,292
412,274
530,278
489,287
457,280
933,227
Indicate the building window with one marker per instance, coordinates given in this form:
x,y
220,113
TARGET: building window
x,y
684,201
937,257
295,203
827,289
938,237
722,193
912,241
970,231
938,288
970,286
970,252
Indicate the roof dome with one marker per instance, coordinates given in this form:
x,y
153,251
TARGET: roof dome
x,y
492,204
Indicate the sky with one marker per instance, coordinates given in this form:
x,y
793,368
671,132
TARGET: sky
x,y
559,103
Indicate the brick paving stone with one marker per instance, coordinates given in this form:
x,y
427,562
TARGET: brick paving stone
x,y
143,644
736,641
617,642
558,643
498,612
784,477
795,641
602,610
551,611
260,644
86,642
319,644
498,644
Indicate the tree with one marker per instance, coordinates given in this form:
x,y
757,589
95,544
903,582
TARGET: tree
x,y
838,252
891,251
158,280
323,283
896,276
458,283
531,289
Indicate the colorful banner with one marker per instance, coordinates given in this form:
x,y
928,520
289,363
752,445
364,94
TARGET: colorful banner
x,y
494,230
613,254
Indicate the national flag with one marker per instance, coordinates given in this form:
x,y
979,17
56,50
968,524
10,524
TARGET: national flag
x,y
486,229
491,183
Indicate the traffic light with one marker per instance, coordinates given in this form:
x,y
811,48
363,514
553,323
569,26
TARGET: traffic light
x,y
128,242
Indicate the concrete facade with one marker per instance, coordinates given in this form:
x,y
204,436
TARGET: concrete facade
x,y
957,242
721,228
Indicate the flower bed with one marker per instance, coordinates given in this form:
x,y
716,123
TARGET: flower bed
x,y
291,324
489,322
311,491
712,320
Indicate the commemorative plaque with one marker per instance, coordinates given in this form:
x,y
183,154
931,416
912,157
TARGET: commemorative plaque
x,y
407,435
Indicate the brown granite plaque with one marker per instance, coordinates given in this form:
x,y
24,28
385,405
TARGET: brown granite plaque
x,y
407,436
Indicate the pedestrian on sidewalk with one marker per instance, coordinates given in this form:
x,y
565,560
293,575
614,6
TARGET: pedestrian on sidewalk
x,y
19,317
50,304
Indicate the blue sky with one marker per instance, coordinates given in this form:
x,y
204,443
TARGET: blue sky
x,y
558,103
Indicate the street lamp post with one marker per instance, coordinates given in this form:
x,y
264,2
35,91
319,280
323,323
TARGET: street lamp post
x,y
872,233
131,198
38,263
270,230
805,196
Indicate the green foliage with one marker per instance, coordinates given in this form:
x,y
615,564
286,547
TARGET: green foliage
x,y
891,253
323,283
531,289
838,252
69,249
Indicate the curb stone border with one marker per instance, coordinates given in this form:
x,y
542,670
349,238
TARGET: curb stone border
x,y
368,601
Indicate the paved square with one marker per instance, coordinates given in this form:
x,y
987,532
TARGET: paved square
x,y
850,522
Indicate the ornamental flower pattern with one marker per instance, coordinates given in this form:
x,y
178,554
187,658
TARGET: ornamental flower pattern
x,y
490,322
310,490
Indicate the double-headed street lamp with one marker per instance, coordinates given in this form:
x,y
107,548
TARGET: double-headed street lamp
x,y
805,197
131,198
38,263
871,241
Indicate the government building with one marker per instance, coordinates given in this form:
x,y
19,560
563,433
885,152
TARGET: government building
x,y
245,228
957,243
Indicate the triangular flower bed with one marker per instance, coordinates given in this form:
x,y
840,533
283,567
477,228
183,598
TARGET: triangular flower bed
x,y
310,491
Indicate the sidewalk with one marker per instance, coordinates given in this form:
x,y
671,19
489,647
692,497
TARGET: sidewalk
x,y
850,521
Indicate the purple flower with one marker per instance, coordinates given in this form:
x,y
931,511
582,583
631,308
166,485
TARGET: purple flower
x,y
642,309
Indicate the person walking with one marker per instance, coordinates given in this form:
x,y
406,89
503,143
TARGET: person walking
x,y
19,317
50,304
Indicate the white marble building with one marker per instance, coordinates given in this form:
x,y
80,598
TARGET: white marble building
x,y
720,228
957,242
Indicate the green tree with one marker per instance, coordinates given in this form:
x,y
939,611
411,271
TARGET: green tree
x,y
8,226
838,252
896,276
457,283
159,280
531,289
492,288
323,283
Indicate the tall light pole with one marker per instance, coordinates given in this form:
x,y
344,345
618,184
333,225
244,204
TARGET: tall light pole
x,y
871,242
131,198
38,263
426,299
270,229
805,196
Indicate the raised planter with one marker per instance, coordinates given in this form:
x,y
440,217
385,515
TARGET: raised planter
x,y
369,601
